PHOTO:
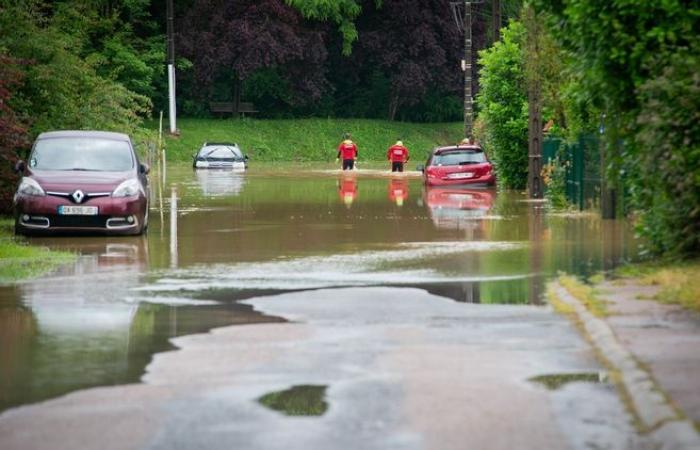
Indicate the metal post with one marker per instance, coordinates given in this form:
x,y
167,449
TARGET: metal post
x,y
468,111
170,11
535,135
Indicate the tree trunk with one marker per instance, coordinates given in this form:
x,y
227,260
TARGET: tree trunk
x,y
393,107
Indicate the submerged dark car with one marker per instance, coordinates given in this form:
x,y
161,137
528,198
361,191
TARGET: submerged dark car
x,y
220,156
82,181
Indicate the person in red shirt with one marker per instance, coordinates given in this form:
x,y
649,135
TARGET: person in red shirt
x,y
348,150
398,155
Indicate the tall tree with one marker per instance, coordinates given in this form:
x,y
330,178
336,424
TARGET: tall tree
x,y
415,44
236,38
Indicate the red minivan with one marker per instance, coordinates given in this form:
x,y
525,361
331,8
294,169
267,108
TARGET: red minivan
x,y
84,182
458,165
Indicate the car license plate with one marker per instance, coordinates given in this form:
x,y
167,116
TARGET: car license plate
x,y
77,210
457,176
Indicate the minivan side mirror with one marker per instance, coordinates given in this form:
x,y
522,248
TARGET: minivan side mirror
x,y
144,169
20,166
246,157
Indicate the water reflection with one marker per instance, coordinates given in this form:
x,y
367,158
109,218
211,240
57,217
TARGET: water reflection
x,y
558,380
301,400
457,208
84,327
347,189
398,191
220,182
275,230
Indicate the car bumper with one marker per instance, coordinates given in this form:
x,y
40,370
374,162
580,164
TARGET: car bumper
x,y
486,180
40,215
235,165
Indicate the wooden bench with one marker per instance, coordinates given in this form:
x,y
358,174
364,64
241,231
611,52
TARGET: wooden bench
x,y
229,108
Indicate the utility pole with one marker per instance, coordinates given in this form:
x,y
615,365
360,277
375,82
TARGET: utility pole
x,y
468,103
534,99
170,12
496,15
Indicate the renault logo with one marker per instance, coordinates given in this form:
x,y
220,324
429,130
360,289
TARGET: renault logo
x,y
78,196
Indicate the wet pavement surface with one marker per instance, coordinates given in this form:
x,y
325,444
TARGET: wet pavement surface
x,y
419,314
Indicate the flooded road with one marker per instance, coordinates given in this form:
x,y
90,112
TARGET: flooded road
x,y
266,246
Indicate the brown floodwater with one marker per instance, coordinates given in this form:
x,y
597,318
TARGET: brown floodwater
x,y
230,236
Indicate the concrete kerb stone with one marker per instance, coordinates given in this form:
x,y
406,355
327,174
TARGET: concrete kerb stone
x,y
649,403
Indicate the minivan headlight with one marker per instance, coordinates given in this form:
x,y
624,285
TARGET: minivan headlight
x,y
29,186
128,188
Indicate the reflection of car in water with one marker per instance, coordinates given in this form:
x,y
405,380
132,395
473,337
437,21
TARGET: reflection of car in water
x,y
216,183
347,190
220,156
458,165
457,208
398,191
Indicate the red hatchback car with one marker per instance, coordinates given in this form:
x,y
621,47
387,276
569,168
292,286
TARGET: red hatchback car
x,y
82,181
458,165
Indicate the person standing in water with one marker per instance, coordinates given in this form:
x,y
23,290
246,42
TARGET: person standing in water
x,y
398,155
348,151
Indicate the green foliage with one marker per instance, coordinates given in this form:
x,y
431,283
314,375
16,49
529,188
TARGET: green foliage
x,y
309,139
638,63
503,106
664,165
341,12
554,178
61,89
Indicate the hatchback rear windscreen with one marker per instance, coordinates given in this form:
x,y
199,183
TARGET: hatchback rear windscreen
x,y
82,153
220,153
458,158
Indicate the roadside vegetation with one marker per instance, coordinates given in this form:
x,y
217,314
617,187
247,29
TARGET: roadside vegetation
x,y
309,139
20,261
678,283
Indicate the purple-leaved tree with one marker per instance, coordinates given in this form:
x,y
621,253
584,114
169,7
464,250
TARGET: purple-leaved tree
x,y
238,37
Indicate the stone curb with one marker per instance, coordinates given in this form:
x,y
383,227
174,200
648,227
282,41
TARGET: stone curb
x,y
648,401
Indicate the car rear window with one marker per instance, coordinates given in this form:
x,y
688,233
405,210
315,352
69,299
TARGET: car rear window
x,y
458,158
82,153
220,152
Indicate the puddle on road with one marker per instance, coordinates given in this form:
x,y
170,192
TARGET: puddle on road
x,y
301,400
558,380
276,229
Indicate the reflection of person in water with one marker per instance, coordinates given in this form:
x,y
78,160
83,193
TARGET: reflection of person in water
x,y
347,189
398,191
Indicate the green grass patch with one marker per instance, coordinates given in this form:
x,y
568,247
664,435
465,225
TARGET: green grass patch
x,y
19,261
585,294
308,139
678,282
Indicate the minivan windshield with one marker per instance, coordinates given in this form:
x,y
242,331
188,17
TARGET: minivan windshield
x,y
82,153
458,158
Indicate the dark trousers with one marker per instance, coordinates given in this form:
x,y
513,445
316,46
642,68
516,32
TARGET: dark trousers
x,y
397,166
348,164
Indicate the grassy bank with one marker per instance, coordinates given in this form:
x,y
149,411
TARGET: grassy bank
x,y
307,139
19,261
679,283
